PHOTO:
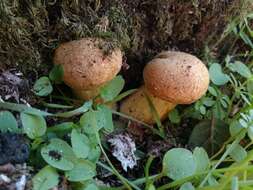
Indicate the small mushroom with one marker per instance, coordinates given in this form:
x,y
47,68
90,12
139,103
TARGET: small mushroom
x,y
86,66
170,78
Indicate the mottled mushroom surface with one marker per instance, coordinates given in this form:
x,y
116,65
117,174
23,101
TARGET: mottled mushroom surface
x,y
85,64
177,77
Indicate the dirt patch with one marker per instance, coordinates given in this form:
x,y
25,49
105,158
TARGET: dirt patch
x,y
13,148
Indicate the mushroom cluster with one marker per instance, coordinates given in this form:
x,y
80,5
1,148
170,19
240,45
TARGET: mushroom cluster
x,y
86,66
171,78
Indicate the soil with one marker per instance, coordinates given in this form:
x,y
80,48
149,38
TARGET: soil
x,y
13,148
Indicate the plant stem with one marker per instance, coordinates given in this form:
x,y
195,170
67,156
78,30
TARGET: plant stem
x,y
122,179
114,170
157,132
148,164
244,163
135,182
236,141
187,179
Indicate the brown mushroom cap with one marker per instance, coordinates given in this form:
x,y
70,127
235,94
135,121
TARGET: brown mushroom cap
x,y
85,64
177,77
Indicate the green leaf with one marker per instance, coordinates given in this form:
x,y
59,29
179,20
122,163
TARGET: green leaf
x,y
83,170
250,132
93,121
26,109
151,187
56,74
201,159
34,125
59,154
112,89
209,136
218,111
91,186
47,178
94,154
23,108
88,122
174,116
8,122
84,108
202,110
240,68
212,91
80,143
212,181
217,76
234,183
179,163
208,101
87,185
250,86
187,186
61,129
245,38
235,127
238,153
42,87
104,118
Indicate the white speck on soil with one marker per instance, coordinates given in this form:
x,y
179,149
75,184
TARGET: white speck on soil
x,y
123,149
20,184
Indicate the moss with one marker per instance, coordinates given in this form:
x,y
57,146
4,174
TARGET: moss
x,y
31,29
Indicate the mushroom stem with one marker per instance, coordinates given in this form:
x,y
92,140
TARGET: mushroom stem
x,y
138,106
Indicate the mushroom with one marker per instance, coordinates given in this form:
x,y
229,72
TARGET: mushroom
x,y
170,78
86,66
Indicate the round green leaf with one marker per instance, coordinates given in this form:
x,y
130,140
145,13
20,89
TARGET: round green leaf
x,y
91,186
250,86
187,186
209,137
104,118
174,116
87,185
179,163
112,89
46,179
56,74
80,143
238,153
201,158
216,74
240,68
59,154
250,132
34,125
94,154
212,91
8,122
83,170
88,122
42,87
151,187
